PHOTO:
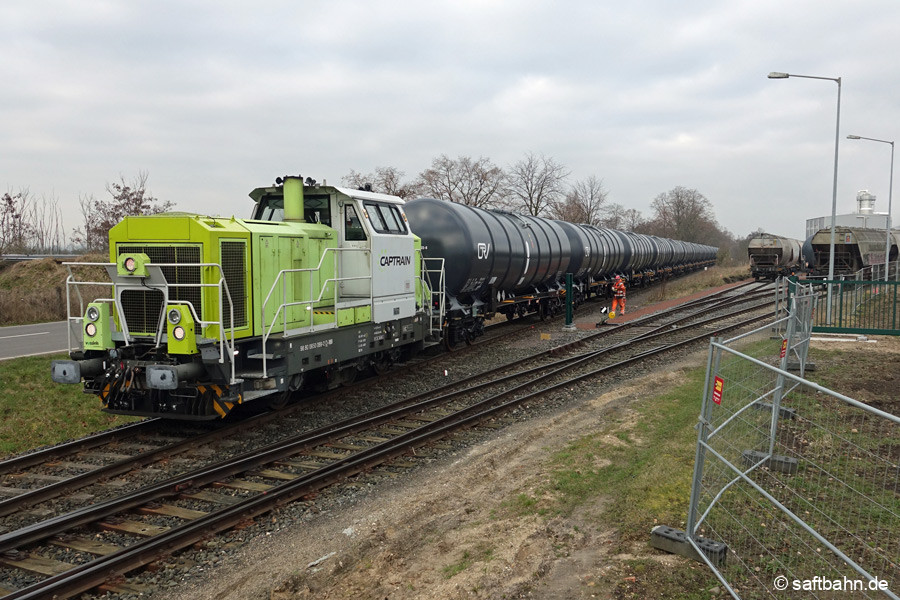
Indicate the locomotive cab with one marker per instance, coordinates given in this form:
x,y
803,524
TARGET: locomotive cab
x,y
377,256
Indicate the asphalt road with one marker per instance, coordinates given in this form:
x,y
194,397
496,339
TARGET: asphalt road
x,y
32,340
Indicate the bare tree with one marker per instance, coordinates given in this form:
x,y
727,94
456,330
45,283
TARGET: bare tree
x,y
126,199
385,180
613,216
536,183
683,214
47,232
15,230
584,203
632,219
476,183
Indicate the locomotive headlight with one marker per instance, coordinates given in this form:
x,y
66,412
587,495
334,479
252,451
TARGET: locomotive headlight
x,y
130,264
97,331
92,314
181,330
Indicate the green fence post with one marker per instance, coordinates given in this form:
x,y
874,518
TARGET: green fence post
x,y
841,305
894,309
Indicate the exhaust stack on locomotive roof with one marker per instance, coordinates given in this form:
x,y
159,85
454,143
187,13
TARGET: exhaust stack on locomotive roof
x,y
293,198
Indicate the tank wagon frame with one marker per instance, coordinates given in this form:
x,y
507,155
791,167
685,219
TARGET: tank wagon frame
x,y
203,314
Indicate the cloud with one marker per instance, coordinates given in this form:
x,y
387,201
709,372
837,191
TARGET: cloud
x,y
213,99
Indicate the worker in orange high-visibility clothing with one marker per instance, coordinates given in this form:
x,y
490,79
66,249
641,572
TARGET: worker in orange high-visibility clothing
x,y
618,290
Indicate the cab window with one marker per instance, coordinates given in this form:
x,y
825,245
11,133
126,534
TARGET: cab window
x,y
317,209
353,229
375,218
385,218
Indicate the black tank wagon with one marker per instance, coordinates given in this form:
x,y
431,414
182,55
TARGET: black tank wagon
x,y
500,262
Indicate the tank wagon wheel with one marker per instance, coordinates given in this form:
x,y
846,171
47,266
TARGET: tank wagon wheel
x,y
510,315
347,376
467,335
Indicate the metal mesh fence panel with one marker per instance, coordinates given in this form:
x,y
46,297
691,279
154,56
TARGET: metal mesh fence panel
x,y
801,483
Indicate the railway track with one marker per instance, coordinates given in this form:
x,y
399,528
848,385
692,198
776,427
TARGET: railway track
x,y
95,461
73,552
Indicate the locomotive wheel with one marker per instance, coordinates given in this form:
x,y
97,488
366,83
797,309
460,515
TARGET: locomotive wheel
x,y
448,344
282,399
382,365
348,375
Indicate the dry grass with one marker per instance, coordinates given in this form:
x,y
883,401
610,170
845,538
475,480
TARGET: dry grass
x,y
696,282
35,291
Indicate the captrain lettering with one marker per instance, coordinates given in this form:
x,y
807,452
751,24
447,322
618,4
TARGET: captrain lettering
x,y
390,261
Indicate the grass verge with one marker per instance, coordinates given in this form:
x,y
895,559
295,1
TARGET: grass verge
x,y
628,476
644,468
36,412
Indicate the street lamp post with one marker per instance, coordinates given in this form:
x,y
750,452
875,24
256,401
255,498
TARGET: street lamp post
x,y
837,136
887,241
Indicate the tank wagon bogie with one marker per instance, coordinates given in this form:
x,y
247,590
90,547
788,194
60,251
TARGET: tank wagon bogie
x,y
773,255
320,284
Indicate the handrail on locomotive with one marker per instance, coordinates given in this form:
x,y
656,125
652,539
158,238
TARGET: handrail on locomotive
x,y
157,273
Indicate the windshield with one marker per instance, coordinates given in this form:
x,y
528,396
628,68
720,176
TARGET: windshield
x,y
316,209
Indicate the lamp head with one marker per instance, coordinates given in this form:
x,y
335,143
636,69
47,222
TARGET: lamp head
x,y
777,75
853,137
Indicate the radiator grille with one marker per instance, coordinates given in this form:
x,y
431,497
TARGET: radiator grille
x,y
143,310
143,307
233,261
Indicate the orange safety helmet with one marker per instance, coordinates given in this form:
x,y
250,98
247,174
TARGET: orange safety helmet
x,y
618,277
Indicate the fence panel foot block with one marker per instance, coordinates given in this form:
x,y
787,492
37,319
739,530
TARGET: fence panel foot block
x,y
777,463
675,541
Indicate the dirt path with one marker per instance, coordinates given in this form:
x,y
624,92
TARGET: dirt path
x,y
447,531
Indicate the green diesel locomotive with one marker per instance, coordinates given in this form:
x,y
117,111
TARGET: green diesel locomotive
x,y
207,313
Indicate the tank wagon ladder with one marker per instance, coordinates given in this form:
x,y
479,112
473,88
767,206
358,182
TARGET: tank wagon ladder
x,y
433,270
157,281
282,310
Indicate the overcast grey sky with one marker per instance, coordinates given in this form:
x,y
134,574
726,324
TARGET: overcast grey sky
x,y
216,98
